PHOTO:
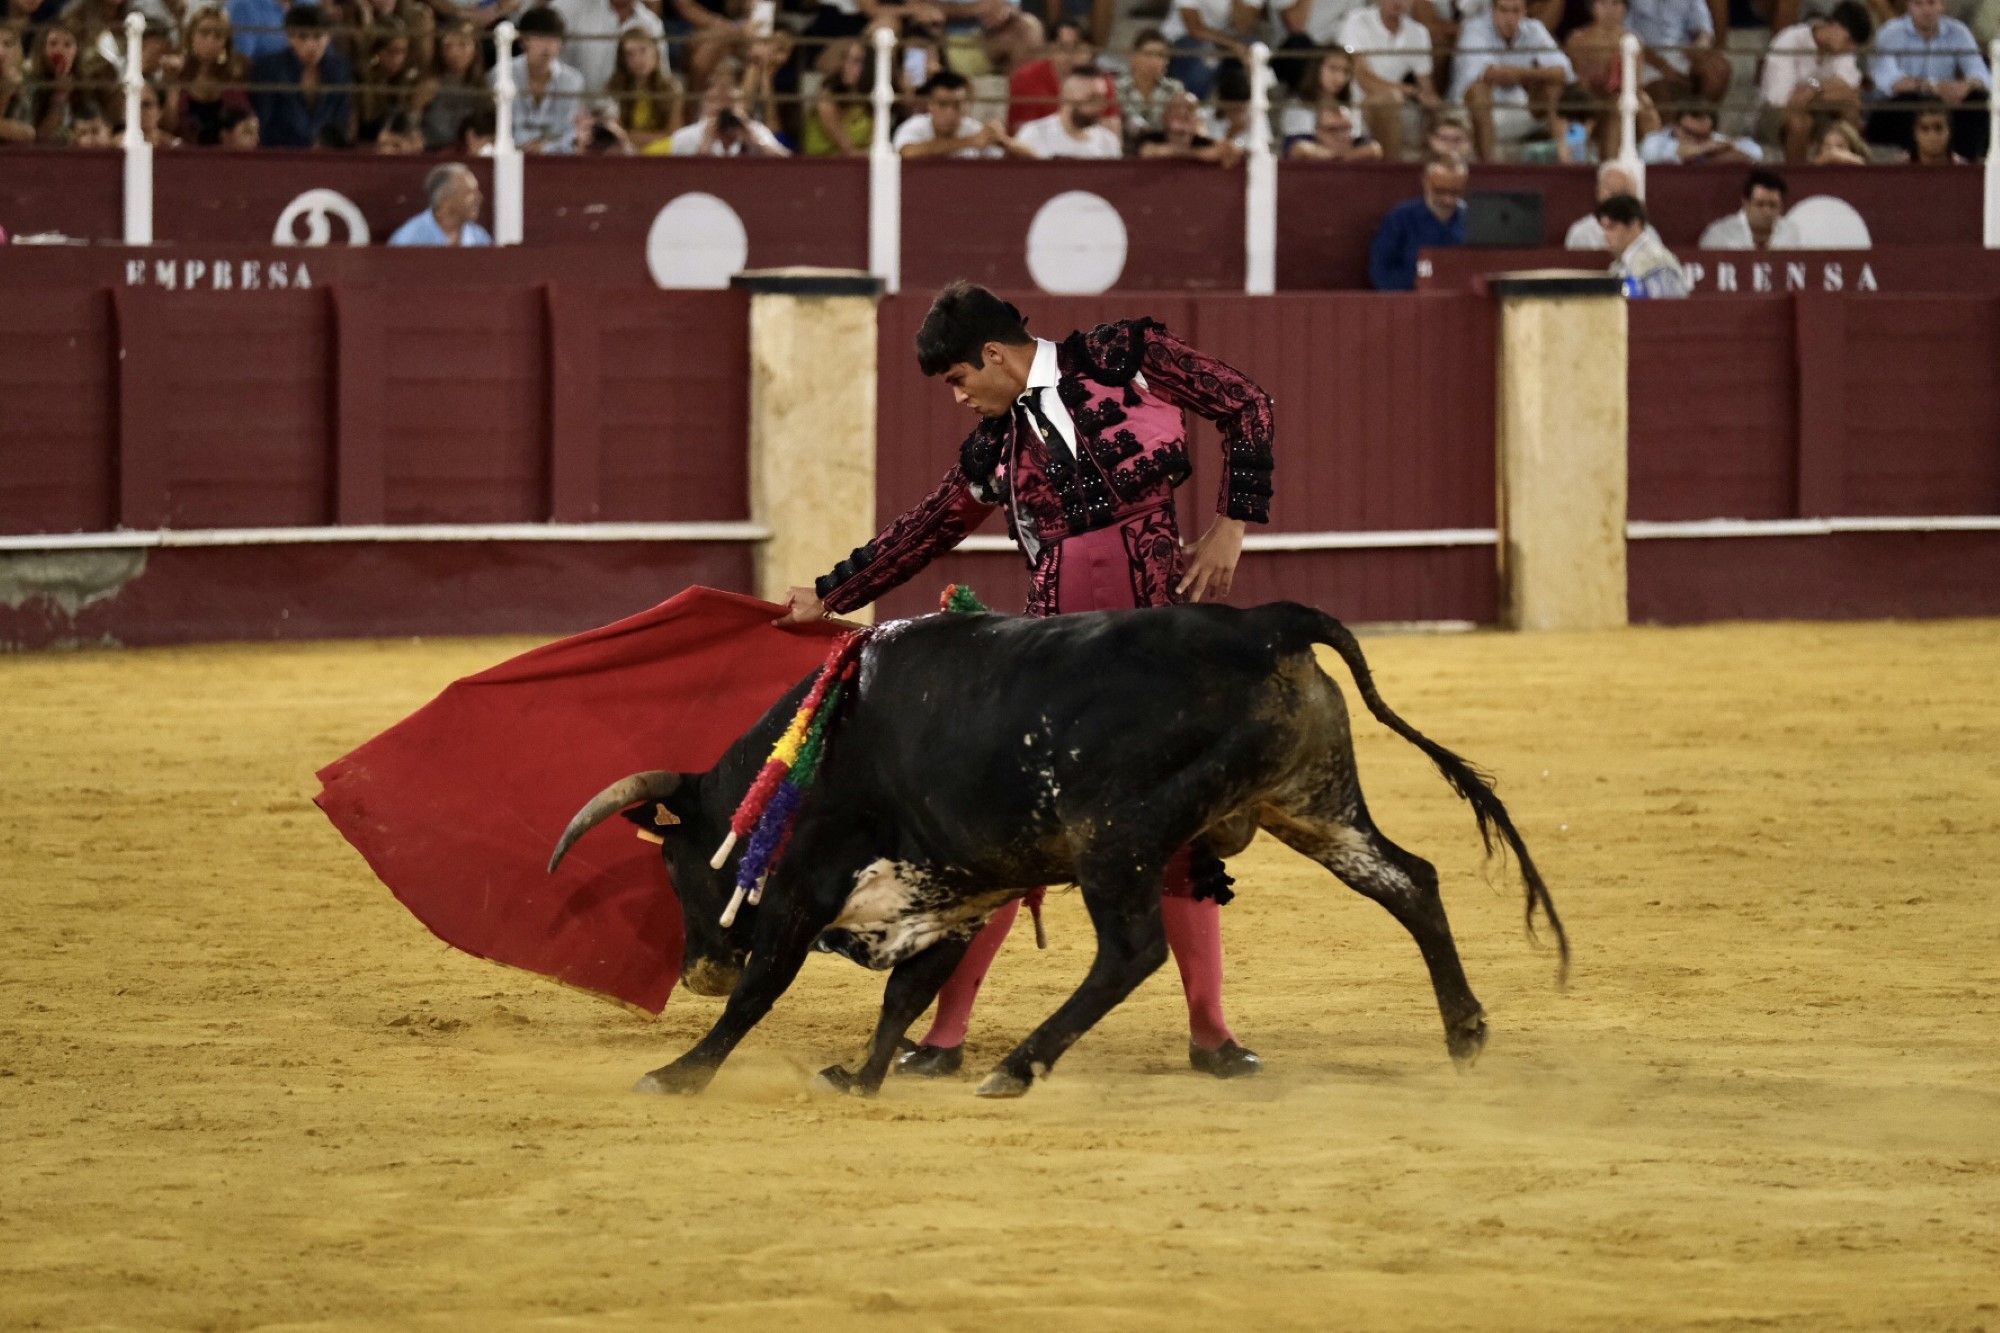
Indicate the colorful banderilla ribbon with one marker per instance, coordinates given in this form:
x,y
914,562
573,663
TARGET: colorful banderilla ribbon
x,y
769,810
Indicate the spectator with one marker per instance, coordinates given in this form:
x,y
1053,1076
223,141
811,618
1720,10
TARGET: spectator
x,y
91,128
1077,129
1930,140
1205,35
400,135
1328,79
1334,138
304,104
1393,63
725,129
205,78
842,123
476,135
1432,222
1839,145
152,108
1924,59
240,128
594,29
1693,139
1508,73
1647,266
1593,52
1586,233
412,18
1810,72
1760,224
649,99
481,14
1305,27
1034,90
1144,92
259,27
17,115
547,93
55,101
454,87
769,75
388,80
944,130
1680,61
453,217
1182,136
1450,135
1230,121
598,131
1008,34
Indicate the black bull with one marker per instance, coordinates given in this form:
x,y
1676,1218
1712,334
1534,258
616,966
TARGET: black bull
x,y
982,755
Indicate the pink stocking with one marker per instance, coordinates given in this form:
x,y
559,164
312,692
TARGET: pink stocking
x,y
954,1002
1194,933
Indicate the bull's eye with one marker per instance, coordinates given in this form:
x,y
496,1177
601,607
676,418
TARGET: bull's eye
x,y
662,815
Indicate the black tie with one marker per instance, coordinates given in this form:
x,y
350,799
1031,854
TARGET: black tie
x,y
1032,400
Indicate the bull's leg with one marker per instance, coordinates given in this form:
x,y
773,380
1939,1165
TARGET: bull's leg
x,y
783,940
1355,850
913,984
1124,909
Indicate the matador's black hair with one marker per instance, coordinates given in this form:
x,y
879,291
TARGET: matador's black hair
x,y
963,319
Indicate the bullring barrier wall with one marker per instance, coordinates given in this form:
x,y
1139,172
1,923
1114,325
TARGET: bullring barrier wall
x,y
391,443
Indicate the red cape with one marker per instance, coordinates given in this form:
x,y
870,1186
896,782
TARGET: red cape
x,y
458,806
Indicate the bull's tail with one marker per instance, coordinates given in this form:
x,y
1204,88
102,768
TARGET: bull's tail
x,y
1467,781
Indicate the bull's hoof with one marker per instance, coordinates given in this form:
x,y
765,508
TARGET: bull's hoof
x,y
836,1078
675,1080
1003,1082
1465,1039
1228,1060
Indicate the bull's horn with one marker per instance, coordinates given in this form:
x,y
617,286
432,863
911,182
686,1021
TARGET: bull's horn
x,y
656,785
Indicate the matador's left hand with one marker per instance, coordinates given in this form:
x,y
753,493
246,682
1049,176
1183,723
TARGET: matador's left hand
x,y
1211,565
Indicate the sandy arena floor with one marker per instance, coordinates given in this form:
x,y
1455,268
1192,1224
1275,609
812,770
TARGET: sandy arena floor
x,y
240,1086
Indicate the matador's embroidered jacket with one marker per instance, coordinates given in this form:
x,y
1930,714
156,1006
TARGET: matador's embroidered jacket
x,y
1125,385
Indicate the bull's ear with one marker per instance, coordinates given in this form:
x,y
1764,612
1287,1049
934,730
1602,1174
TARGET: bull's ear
x,y
654,820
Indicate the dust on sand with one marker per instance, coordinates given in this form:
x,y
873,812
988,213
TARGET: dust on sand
x,y
241,1086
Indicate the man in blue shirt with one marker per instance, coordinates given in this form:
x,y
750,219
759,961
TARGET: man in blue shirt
x,y
452,217
1437,219
1925,59
311,108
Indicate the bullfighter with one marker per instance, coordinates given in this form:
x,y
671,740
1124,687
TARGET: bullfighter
x,y
1082,443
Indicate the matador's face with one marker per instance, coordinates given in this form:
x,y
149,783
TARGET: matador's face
x,y
989,388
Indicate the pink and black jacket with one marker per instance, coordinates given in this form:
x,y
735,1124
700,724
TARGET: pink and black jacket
x,y
1126,386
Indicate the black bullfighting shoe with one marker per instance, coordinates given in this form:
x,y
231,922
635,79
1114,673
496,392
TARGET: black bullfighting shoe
x,y
1228,1060
931,1061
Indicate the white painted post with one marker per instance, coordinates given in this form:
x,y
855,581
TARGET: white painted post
x,y
1993,152
508,183
885,177
138,153
1260,184
1628,113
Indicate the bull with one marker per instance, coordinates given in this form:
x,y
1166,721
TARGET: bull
x,y
982,755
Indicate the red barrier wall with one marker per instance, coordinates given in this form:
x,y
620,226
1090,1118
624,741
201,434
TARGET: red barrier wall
x,y
1183,222
1815,406
401,388
358,402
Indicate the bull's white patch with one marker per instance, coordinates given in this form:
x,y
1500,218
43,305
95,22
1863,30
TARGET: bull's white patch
x,y
897,910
